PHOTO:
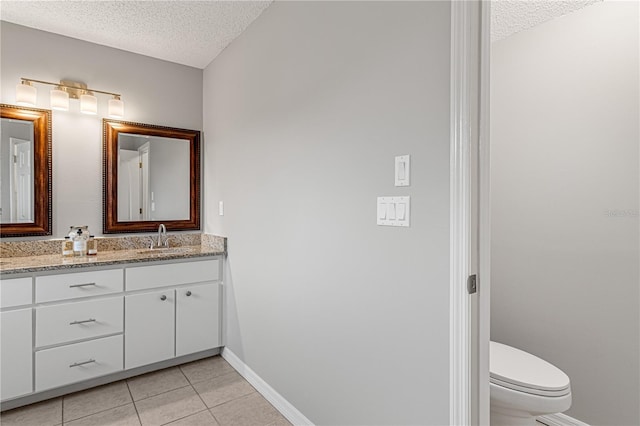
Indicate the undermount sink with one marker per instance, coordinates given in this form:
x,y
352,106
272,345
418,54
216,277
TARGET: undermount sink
x,y
165,250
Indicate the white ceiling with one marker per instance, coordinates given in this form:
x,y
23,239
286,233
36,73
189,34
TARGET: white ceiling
x,y
187,32
194,32
511,16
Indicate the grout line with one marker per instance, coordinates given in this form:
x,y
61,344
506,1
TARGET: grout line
x,y
214,417
97,412
158,394
199,396
189,415
135,407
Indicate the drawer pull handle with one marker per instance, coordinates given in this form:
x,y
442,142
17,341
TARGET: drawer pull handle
x,y
82,322
78,364
163,297
188,293
81,285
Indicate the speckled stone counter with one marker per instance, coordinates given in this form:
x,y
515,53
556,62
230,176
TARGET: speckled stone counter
x,y
127,250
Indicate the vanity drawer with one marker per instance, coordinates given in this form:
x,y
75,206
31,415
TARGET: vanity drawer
x,y
80,361
15,292
80,320
79,284
144,277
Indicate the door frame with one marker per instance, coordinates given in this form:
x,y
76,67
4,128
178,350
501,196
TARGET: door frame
x,y
469,213
14,195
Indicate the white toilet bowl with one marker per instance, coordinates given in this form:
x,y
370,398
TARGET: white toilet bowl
x,y
523,387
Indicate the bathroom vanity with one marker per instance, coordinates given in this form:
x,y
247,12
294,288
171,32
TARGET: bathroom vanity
x,y
74,325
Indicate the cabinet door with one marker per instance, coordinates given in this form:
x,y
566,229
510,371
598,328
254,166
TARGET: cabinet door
x,y
149,327
197,318
16,353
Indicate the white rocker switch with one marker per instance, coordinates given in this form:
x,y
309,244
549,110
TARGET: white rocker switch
x,y
394,211
382,210
401,209
403,167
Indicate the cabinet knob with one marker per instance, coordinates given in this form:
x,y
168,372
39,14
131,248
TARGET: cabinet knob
x,y
163,297
188,293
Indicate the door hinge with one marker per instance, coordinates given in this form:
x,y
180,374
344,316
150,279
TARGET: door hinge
x,y
140,165
140,211
472,284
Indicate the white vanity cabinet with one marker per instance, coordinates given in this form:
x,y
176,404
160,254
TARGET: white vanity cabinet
x,y
78,326
174,312
150,326
65,329
16,328
197,325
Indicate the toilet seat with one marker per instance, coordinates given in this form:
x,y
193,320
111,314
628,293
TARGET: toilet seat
x,y
520,371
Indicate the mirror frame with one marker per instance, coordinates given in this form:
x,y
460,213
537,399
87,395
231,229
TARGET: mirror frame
x,y
42,194
111,130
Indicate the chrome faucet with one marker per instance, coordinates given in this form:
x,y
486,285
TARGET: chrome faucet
x,y
162,236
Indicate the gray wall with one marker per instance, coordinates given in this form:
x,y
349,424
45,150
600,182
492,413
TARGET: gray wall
x,y
154,92
565,119
303,116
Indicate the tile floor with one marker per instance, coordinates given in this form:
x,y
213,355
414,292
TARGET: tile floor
x,y
201,393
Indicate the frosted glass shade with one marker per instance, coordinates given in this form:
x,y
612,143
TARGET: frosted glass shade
x,y
59,100
25,95
88,104
116,108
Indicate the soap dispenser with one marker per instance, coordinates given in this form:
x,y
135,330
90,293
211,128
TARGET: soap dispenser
x,y
79,235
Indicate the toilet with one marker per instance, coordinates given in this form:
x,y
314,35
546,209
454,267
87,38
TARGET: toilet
x,y
523,387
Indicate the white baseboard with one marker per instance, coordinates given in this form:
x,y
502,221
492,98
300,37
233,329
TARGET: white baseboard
x,y
559,420
285,407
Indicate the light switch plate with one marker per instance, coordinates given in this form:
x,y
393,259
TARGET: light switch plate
x,y
221,208
403,170
393,211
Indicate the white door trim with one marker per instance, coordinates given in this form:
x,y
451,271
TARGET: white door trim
x,y
460,194
470,40
484,216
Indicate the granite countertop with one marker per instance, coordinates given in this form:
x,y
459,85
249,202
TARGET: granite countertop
x,y
52,262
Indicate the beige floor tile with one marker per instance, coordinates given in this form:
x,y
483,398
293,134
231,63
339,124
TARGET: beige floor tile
x,y
282,421
156,383
43,413
250,410
124,415
169,406
206,369
203,418
95,400
223,389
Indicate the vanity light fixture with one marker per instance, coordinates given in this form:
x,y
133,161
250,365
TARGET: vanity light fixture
x,y
65,89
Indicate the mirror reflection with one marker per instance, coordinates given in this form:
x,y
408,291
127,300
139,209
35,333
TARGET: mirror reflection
x,y
153,178
16,171
25,171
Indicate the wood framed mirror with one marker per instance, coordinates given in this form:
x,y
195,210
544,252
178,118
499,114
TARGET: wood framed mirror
x,y
151,175
25,171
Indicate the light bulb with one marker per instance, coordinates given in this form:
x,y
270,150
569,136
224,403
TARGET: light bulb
x,y
88,104
116,107
26,94
59,99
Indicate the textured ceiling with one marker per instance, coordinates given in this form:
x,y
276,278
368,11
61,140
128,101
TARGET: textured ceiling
x,y
195,32
511,16
187,32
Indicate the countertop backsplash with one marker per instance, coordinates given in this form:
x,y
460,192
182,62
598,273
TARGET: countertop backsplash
x,y
10,249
